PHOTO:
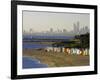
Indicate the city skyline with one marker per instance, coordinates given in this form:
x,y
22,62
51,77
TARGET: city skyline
x,y
57,30
63,32
44,21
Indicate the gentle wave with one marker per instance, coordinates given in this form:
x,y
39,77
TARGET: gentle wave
x,y
32,63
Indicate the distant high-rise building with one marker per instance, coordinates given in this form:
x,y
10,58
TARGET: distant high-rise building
x,y
78,25
24,31
51,29
76,28
58,30
86,29
31,31
64,30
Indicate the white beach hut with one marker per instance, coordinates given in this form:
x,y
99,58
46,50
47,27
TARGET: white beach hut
x,y
57,49
86,52
48,49
73,51
78,51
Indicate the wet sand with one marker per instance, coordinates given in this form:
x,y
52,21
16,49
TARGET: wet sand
x,y
55,59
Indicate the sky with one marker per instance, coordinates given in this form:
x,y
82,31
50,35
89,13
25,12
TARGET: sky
x,y
40,21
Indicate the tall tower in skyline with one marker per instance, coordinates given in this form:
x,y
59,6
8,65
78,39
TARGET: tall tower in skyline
x,y
31,30
76,27
51,29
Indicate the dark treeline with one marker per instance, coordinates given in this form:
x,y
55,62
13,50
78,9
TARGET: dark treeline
x,y
84,40
80,41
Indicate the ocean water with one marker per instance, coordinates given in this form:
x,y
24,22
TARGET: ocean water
x,y
34,45
28,62
47,37
38,39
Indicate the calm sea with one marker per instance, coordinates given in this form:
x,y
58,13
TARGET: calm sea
x,y
47,37
38,38
34,46
32,63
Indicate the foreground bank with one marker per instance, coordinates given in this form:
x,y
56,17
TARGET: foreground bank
x,y
59,59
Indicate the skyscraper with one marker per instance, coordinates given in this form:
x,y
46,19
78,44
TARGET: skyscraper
x,y
76,28
51,29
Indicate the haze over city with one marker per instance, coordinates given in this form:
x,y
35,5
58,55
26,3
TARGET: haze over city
x,y
46,22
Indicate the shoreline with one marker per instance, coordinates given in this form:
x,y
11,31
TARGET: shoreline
x,y
57,59
38,61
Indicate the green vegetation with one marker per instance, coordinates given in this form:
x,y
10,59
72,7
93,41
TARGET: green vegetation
x,y
61,59
84,40
80,41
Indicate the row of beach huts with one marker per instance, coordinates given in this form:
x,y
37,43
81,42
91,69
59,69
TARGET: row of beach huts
x,y
74,51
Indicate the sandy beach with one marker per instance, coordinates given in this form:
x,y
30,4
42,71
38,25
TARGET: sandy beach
x,y
59,59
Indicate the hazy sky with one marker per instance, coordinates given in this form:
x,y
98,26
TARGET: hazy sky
x,y
43,21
